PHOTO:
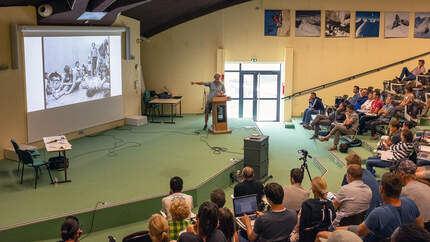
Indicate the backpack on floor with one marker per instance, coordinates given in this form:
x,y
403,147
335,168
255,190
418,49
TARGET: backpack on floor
x,y
343,148
355,143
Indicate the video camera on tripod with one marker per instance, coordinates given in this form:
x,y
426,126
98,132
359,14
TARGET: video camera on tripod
x,y
304,158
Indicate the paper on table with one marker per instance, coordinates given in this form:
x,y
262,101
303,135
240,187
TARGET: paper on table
x,y
425,148
53,143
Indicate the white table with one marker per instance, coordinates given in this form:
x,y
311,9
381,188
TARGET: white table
x,y
59,144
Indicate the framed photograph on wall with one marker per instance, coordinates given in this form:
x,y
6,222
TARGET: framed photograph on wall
x,y
337,23
367,24
396,25
277,23
422,25
308,23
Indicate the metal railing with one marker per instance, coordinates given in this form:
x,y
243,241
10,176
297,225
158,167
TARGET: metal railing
x,y
350,78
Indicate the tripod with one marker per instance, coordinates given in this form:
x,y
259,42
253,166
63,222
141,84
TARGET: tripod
x,y
304,166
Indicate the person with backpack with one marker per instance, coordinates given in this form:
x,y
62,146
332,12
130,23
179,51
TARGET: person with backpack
x,y
317,214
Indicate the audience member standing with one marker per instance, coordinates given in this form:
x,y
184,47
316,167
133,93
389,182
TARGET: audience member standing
x,y
295,194
248,186
353,199
275,225
176,185
415,190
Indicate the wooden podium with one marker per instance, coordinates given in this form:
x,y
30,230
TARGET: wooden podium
x,y
219,115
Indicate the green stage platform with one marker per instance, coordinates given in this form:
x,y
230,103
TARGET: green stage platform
x,y
133,177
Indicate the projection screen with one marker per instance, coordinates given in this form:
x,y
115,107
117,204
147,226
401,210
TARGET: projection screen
x,y
73,78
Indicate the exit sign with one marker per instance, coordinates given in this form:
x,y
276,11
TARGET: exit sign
x,y
254,60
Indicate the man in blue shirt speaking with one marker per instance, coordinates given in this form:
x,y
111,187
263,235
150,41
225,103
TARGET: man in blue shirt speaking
x,y
216,89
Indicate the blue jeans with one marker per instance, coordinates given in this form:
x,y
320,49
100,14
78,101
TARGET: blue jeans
x,y
376,162
307,115
408,76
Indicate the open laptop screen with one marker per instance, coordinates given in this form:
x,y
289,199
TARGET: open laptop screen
x,y
245,205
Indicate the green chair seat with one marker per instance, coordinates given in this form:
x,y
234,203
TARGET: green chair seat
x,y
37,162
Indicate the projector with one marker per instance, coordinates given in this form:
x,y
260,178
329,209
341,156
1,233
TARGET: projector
x,y
45,10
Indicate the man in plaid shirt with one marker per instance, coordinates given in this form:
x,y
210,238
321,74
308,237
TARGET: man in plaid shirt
x,y
180,211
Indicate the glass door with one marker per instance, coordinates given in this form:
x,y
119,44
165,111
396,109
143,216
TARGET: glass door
x,y
259,95
254,90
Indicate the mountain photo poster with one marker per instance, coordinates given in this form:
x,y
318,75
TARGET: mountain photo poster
x,y
367,24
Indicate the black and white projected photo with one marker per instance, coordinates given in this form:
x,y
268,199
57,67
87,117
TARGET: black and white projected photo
x,y
76,69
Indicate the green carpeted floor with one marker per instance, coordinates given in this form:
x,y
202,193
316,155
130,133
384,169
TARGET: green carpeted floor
x,y
144,160
145,167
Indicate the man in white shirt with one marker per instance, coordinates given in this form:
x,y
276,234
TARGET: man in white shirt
x,y
353,199
176,185
409,76
295,194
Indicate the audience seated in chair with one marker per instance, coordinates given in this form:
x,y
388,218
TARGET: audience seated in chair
x,y
338,116
408,99
406,75
376,111
361,100
179,211
356,91
315,107
249,185
394,136
365,107
317,214
70,230
158,228
384,116
410,232
400,151
227,224
415,190
368,179
218,197
353,199
176,185
206,225
295,194
348,127
396,211
275,225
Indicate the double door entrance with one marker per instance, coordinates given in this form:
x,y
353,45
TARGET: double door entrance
x,y
255,95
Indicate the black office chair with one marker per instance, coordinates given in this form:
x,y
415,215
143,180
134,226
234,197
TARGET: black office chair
x,y
141,236
27,159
